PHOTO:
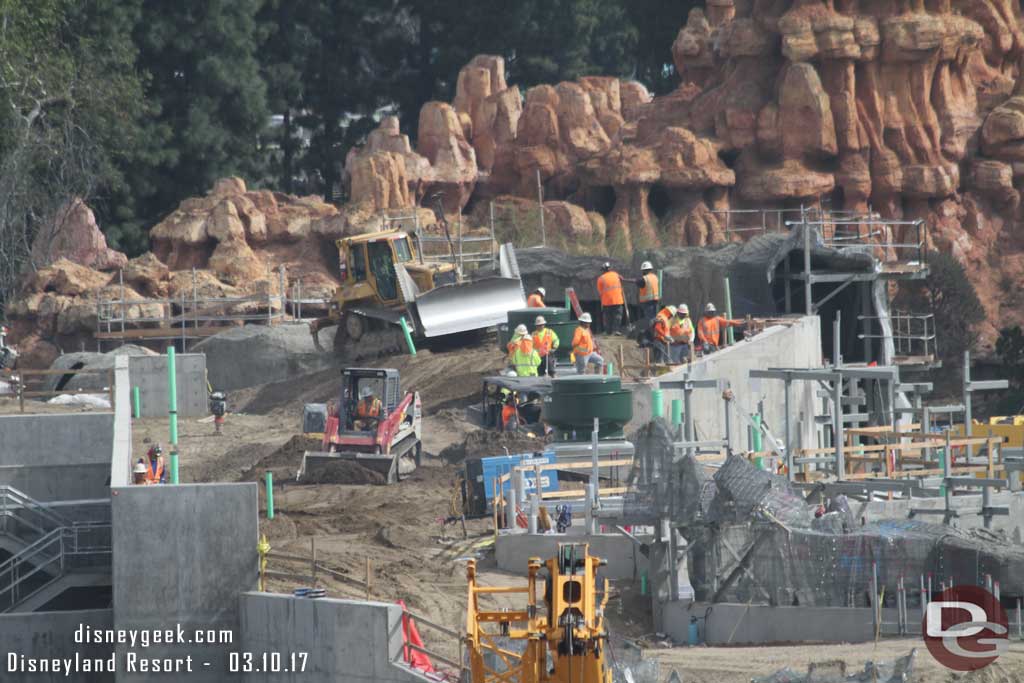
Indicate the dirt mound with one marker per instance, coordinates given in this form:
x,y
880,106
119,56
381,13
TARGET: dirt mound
x,y
344,472
484,443
284,462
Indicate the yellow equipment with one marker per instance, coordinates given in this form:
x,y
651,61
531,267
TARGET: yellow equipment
x,y
563,637
385,280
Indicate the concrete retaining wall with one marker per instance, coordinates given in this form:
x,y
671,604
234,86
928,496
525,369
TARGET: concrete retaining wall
x,y
51,635
149,374
625,561
182,555
57,456
1013,524
121,455
734,624
346,640
795,346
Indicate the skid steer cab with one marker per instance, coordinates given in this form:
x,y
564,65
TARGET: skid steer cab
x,y
373,424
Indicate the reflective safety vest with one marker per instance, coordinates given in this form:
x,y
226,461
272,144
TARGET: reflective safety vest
x,y
525,358
681,330
609,286
709,330
661,326
545,341
535,301
582,341
650,291
508,415
154,474
369,410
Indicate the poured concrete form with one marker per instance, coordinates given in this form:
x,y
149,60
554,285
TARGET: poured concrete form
x,y
625,560
734,624
51,635
149,374
182,556
345,640
57,456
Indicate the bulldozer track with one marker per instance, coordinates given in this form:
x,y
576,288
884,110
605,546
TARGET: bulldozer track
x,y
386,340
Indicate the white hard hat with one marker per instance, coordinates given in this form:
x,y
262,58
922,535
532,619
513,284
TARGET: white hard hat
x,y
541,291
683,308
646,265
139,468
606,266
585,318
511,373
540,320
671,309
710,308
521,330
366,391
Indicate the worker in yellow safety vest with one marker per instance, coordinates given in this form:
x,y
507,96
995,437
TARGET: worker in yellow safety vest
x,y
649,294
536,298
546,342
584,347
522,355
682,333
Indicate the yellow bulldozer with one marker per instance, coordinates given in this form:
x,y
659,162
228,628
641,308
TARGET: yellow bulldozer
x,y
387,284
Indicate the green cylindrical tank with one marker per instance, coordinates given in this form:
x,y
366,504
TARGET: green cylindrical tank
x,y
576,400
557,319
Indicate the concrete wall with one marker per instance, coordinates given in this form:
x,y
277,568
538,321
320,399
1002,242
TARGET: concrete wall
x,y
734,624
346,640
780,346
51,635
625,561
57,456
149,374
121,455
1013,524
182,555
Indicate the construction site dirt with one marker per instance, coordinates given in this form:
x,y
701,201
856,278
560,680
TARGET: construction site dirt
x,y
395,538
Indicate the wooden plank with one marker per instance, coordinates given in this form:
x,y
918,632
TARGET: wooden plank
x,y
924,473
164,333
580,493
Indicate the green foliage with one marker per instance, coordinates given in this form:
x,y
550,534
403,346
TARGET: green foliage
x,y
658,23
1010,350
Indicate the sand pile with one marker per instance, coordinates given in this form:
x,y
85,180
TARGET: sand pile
x,y
484,443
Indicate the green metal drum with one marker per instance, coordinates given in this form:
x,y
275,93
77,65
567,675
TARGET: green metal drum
x,y
576,400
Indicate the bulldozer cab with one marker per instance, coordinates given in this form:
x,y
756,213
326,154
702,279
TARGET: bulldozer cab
x,y
386,386
371,262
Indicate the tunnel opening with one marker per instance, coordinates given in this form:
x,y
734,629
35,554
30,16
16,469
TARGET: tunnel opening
x,y
64,379
600,198
659,201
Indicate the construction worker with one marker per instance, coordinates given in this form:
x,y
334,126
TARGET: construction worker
x,y
649,295
139,472
536,298
546,342
682,333
609,287
509,412
709,328
661,330
156,473
584,347
524,357
517,336
368,409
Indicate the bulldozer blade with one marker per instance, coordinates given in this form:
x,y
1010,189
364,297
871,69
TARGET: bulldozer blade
x,y
455,308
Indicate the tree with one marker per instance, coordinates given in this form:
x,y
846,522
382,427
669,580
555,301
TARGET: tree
x,y
1010,349
209,97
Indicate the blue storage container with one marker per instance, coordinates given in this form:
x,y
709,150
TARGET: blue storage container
x,y
498,465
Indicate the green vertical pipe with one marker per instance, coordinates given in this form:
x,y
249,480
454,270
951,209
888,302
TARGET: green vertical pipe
x,y
611,369
728,312
136,403
408,336
677,411
174,467
270,495
656,407
172,395
758,444
643,583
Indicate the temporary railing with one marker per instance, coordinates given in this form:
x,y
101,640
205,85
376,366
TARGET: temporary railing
x,y
914,337
61,551
20,381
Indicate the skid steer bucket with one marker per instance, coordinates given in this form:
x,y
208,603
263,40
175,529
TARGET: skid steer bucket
x,y
455,308
320,467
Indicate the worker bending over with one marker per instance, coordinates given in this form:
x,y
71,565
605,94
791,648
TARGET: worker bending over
x,y
682,333
584,347
710,327
522,355
368,410
536,298
156,473
545,341
661,331
649,295
609,287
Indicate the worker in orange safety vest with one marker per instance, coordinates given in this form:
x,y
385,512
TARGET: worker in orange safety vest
x,y
545,341
609,287
584,347
368,410
649,294
709,328
536,298
661,331
156,473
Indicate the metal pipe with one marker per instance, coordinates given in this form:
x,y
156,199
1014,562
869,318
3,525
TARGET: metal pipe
x,y
270,494
510,510
136,403
174,467
540,205
967,396
728,424
677,412
789,442
875,609
656,403
728,313
808,301
947,457
925,599
172,398
408,336
594,471
534,510
837,428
